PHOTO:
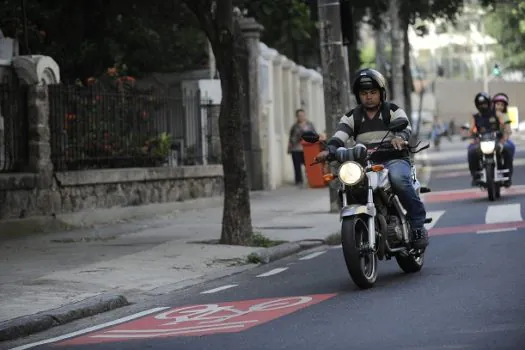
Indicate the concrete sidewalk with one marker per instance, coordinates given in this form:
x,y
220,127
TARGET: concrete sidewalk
x,y
148,257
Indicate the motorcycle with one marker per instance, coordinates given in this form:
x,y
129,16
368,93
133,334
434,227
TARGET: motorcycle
x,y
492,175
373,221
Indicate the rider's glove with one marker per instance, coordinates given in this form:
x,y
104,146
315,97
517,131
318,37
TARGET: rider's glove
x,y
331,150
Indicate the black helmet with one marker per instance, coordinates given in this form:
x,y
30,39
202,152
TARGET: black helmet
x,y
481,97
369,79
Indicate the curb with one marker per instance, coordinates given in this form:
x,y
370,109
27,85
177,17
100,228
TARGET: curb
x,y
30,324
26,325
268,255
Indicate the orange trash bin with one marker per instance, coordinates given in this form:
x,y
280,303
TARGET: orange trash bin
x,y
314,173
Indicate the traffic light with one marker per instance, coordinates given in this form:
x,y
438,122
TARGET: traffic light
x,y
496,71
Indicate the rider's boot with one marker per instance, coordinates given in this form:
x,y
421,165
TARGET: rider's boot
x,y
508,183
475,180
420,238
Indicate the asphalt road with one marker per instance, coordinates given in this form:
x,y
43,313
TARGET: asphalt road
x,y
469,295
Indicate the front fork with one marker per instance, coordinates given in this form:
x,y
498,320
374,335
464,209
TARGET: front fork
x,y
371,220
402,215
370,209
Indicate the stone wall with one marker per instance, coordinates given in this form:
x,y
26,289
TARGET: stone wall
x,y
25,195
41,191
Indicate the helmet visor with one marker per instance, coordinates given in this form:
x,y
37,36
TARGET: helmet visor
x,y
367,83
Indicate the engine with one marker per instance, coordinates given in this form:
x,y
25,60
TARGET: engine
x,y
394,231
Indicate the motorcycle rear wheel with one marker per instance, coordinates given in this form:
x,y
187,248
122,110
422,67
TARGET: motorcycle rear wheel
x,y
362,269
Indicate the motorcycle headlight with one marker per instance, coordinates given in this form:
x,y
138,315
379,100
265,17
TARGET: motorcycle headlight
x,y
487,147
351,173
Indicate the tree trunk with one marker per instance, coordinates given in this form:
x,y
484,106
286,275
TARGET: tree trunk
x,y
380,51
335,75
397,53
354,59
236,217
218,24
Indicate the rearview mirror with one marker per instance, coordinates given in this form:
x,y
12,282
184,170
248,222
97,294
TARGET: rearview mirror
x,y
310,136
398,125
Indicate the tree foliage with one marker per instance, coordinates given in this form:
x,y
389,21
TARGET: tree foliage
x,y
289,27
85,37
506,23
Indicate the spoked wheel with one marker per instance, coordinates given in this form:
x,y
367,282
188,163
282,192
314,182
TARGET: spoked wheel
x,y
361,261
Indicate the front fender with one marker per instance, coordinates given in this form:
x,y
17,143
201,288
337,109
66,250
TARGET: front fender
x,y
357,209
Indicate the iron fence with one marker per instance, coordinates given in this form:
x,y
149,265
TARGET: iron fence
x,y
14,127
92,128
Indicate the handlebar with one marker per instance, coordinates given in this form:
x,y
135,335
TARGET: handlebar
x,y
494,134
387,146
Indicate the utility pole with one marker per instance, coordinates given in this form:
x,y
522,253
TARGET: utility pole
x,y
398,57
335,74
484,48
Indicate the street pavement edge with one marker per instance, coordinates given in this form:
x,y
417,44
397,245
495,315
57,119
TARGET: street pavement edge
x,y
35,323
30,324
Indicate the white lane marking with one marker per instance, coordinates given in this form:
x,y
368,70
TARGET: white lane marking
x,y
218,289
435,215
495,230
273,272
313,255
503,213
91,329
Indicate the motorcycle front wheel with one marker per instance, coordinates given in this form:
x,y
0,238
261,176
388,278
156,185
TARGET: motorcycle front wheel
x,y
362,267
491,184
410,263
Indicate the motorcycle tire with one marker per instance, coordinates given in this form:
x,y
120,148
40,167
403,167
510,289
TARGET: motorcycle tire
x,y
362,269
491,185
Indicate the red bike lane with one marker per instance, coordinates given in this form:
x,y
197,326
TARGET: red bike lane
x,y
199,320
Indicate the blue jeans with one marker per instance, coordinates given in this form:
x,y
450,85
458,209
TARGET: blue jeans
x,y
400,174
511,147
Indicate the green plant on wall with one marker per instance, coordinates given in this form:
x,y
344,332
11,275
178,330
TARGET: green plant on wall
x,y
162,145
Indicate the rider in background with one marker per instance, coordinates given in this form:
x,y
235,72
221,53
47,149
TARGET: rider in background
x,y
486,120
500,102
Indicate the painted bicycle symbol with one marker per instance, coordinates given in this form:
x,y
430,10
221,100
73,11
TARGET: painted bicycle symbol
x,y
214,313
204,319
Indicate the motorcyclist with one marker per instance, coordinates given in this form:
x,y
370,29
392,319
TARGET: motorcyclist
x,y
367,125
500,102
487,120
